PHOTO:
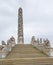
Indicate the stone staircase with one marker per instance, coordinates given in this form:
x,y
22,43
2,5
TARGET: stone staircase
x,y
25,51
26,54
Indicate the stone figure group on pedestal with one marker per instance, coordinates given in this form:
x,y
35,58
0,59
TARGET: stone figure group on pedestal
x,y
5,48
41,44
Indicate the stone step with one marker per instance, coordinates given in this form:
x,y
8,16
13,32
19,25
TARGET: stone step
x,y
27,61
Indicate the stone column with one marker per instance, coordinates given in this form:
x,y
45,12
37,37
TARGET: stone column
x,y
20,27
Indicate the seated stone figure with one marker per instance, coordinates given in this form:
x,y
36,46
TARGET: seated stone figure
x,y
47,47
40,40
9,45
3,43
33,40
11,42
47,43
37,40
4,50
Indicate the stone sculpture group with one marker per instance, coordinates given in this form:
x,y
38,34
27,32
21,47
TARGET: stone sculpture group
x,y
6,48
42,44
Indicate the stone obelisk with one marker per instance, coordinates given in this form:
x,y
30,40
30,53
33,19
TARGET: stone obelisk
x,y
20,27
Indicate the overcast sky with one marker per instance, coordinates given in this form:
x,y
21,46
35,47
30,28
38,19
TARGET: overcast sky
x,y
37,19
